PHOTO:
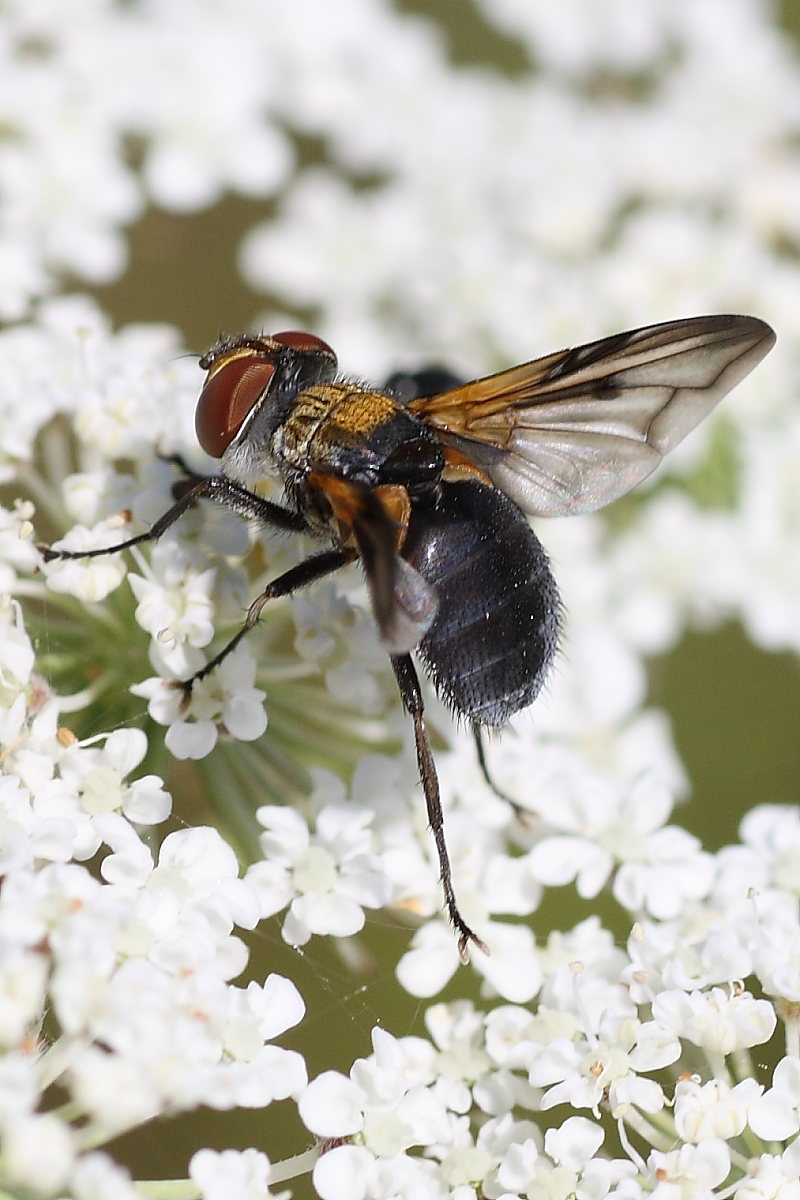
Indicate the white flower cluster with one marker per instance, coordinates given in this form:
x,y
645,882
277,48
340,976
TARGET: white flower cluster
x,y
188,85
114,981
647,167
564,196
468,1096
116,989
130,398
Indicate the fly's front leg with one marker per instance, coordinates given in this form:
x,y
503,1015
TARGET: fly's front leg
x,y
230,495
173,514
190,476
211,487
411,695
296,577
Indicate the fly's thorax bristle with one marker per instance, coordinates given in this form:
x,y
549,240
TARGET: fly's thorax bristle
x,y
357,410
327,416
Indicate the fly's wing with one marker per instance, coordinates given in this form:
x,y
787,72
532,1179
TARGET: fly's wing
x,y
403,603
573,431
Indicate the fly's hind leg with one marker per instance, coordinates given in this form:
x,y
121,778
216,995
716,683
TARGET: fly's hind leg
x,y
480,747
411,695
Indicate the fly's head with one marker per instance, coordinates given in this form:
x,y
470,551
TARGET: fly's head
x,y
251,387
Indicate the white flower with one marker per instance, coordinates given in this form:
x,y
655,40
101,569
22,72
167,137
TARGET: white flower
x,y
579,960
19,1083
260,1012
511,1037
18,555
134,976
458,1031
224,701
231,1174
570,1165
18,653
32,902
467,1166
582,1074
75,788
86,495
114,1089
717,1020
659,867
673,956
512,968
772,831
23,983
97,777
714,1109
353,1173
89,579
777,957
772,1177
575,1142
775,1116
38,1152
326,878
387,1099
96,1174
201,869
174,602
694,1170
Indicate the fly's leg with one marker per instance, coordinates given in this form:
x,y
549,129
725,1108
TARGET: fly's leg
x,y
296,577
480,746
411,695
189,473
212,487
222,491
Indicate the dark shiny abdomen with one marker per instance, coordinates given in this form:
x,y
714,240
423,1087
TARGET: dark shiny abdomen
x,y
495,632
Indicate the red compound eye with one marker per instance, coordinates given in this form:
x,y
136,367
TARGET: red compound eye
x,y
240,371
298,340
228,396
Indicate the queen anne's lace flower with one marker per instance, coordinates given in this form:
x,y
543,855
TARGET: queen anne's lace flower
x,y
423,207
224,701
326,877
